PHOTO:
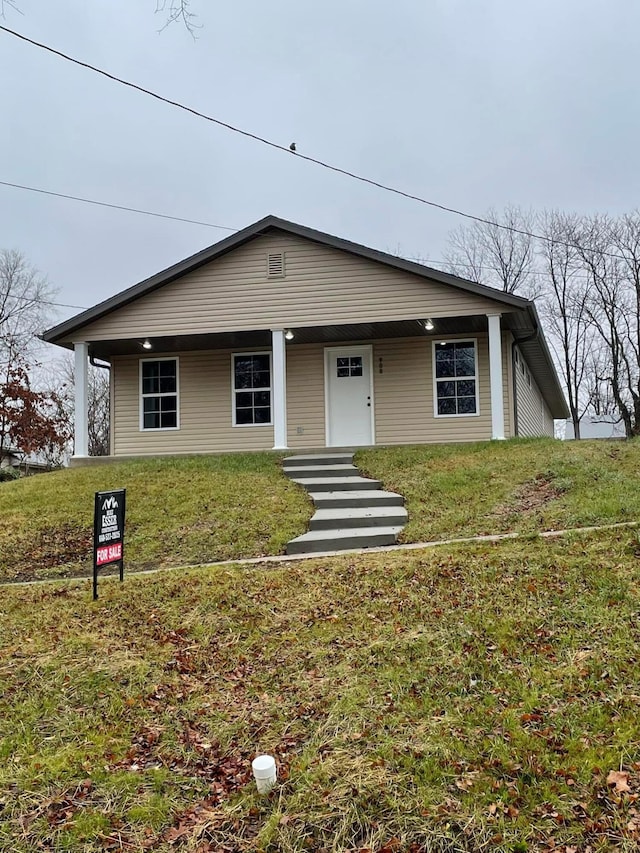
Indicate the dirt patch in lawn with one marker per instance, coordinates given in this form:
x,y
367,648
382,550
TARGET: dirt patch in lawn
x,y
528,497
46,552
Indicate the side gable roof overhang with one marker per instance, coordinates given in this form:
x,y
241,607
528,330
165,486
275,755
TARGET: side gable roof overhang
x,y
521,316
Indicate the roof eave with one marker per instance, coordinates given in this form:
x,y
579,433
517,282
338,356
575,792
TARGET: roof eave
x,y
68,327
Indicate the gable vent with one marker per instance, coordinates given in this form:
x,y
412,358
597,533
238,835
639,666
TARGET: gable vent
x,y
275,264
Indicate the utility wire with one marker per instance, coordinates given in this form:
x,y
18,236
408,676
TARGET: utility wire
x,y
307,158
35,301
418,258
115,206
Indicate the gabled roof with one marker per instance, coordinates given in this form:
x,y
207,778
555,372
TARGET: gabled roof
x,y
527,326
269,223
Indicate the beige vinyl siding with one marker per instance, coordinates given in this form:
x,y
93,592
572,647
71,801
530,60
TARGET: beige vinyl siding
x,y
404,395
403,401
534,417
305,396
205,410
322,286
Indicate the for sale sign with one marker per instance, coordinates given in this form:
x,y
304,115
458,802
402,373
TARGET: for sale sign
x,y
108,532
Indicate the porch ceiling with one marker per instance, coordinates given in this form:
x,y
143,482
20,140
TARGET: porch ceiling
x,y
261,338
524,325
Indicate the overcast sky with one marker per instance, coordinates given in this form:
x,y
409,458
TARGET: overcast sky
x,y
470,103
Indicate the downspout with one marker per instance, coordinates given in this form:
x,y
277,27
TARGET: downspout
x,y
514,379
534,334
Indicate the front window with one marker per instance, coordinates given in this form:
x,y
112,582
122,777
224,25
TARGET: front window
x,y
252,389
456,378
159,393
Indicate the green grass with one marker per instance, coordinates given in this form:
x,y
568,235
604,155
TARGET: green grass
x,y
179,510
186,510
469,698
521,485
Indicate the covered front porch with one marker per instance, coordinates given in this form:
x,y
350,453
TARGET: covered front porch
x,y
399,381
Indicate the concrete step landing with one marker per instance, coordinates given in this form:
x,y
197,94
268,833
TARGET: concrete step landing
x,y
351,511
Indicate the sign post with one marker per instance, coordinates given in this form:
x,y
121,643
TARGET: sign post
x,y
108,532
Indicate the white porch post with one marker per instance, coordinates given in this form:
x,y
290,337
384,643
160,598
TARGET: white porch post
x,y
279,392
81,381
495,377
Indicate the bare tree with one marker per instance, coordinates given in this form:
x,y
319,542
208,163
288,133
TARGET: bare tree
x,y
501,257
99,412
178,11
611,259
62,380
29,419
24,306
563,304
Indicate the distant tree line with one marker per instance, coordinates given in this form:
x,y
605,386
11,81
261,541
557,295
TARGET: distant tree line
x,y
585,278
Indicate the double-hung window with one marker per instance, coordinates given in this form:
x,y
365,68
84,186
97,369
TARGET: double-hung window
x,y
159,393
251,373
456,378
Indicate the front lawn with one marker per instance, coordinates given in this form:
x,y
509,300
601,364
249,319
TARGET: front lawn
x,y
179,510
525,485
470,698
185,510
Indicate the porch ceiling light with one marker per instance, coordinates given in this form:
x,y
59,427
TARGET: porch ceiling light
x,y
428,324
288,334
147,344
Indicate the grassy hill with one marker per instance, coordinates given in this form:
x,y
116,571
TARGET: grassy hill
x,y
525,485
473,697
179,510
202,509
460,699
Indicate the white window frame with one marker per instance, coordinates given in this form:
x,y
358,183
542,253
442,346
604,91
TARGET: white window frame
x,y
437,379
175,394
240,390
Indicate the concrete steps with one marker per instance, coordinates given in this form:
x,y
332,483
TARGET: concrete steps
x,y
337,484
300,472
317,541
356,498
351,511
380,516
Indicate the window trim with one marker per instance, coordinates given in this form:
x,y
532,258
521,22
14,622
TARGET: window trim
x,y
176,394
233,388
476,378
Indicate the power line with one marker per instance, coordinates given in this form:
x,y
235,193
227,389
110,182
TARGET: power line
x,y
115,206
418,258
277,146
45,302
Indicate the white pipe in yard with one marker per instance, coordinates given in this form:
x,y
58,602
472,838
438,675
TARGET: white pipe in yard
x,y
264,772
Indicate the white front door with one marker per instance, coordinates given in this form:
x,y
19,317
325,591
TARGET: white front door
x,y
349,396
